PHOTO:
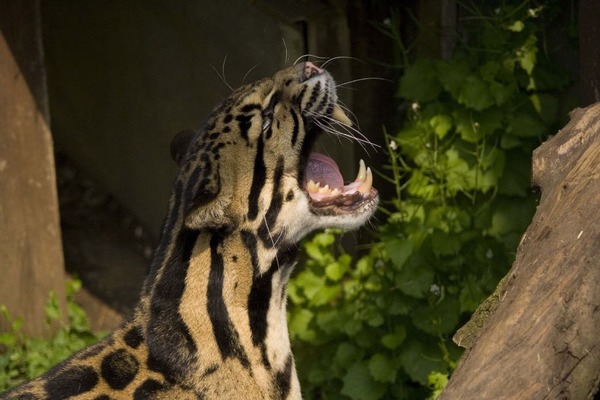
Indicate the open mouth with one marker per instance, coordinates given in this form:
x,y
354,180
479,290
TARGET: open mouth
x,y
327,190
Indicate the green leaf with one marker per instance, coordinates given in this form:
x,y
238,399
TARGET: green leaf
x,y
476,94
516,26
360,385
382,368
419,358
394,339
525,124
414,280
419,82
452,74
336,270
399,251
441,125
299,324
439,318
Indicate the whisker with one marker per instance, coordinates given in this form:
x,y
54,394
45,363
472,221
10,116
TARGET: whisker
x,y
340,58
222,78
272,241
285,61
329,128
247,73
349,130
373,78
309,56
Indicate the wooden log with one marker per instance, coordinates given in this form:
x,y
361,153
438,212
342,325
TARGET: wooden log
x,y
31,260
543,339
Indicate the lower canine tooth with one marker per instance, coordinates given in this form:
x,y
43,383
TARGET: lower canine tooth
x,y
362,172
365,187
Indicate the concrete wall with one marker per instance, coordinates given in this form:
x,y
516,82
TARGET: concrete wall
x,y
124,77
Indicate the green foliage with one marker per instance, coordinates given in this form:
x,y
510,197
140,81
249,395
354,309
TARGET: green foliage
x,y
380,327
23,358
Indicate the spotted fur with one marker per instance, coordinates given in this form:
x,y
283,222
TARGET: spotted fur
x,y
211,321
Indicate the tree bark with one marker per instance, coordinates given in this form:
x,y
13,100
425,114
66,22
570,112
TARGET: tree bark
x,y
543,339
31,260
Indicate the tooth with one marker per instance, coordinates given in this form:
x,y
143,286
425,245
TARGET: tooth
x,y
365,187
335,192
362,172
312,186
325,189
340,115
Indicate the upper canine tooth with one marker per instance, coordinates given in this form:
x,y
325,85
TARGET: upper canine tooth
x,y
362,172
339,115
365,187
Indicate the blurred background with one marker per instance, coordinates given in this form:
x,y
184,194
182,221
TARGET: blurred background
x,y
457,94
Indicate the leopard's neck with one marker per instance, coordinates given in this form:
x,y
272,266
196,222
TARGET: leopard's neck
x,y
216,301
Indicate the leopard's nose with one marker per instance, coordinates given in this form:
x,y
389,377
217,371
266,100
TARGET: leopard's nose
x,y
310,70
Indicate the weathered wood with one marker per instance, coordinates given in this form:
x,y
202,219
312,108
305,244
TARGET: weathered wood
x,y
543,339
31,261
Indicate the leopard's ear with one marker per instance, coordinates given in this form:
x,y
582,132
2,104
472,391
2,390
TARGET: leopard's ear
x,y
180,145
209,208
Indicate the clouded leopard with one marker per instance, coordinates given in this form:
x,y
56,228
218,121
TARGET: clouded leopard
x,y
211,321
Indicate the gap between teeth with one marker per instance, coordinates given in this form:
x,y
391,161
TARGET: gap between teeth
x,y
362,184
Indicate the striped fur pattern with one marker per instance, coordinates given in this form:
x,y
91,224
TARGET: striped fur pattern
x,y
211,322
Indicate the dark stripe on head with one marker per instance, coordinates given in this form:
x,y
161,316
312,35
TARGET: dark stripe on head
x,y
244,123
258,180
172,357
283,379
296,127
265,231
307,143
226,336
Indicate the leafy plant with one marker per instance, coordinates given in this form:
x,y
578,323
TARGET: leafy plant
x,y
380,327
23,358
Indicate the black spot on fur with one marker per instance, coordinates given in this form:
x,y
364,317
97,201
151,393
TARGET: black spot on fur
x,y
102,397
147,390
133,338
228,118
226,129
70,382
289,196
210,370
119,368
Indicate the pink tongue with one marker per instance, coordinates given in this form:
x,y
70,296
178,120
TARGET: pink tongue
x,y
324,170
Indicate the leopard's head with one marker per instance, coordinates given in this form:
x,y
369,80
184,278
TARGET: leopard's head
x,y
251,165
